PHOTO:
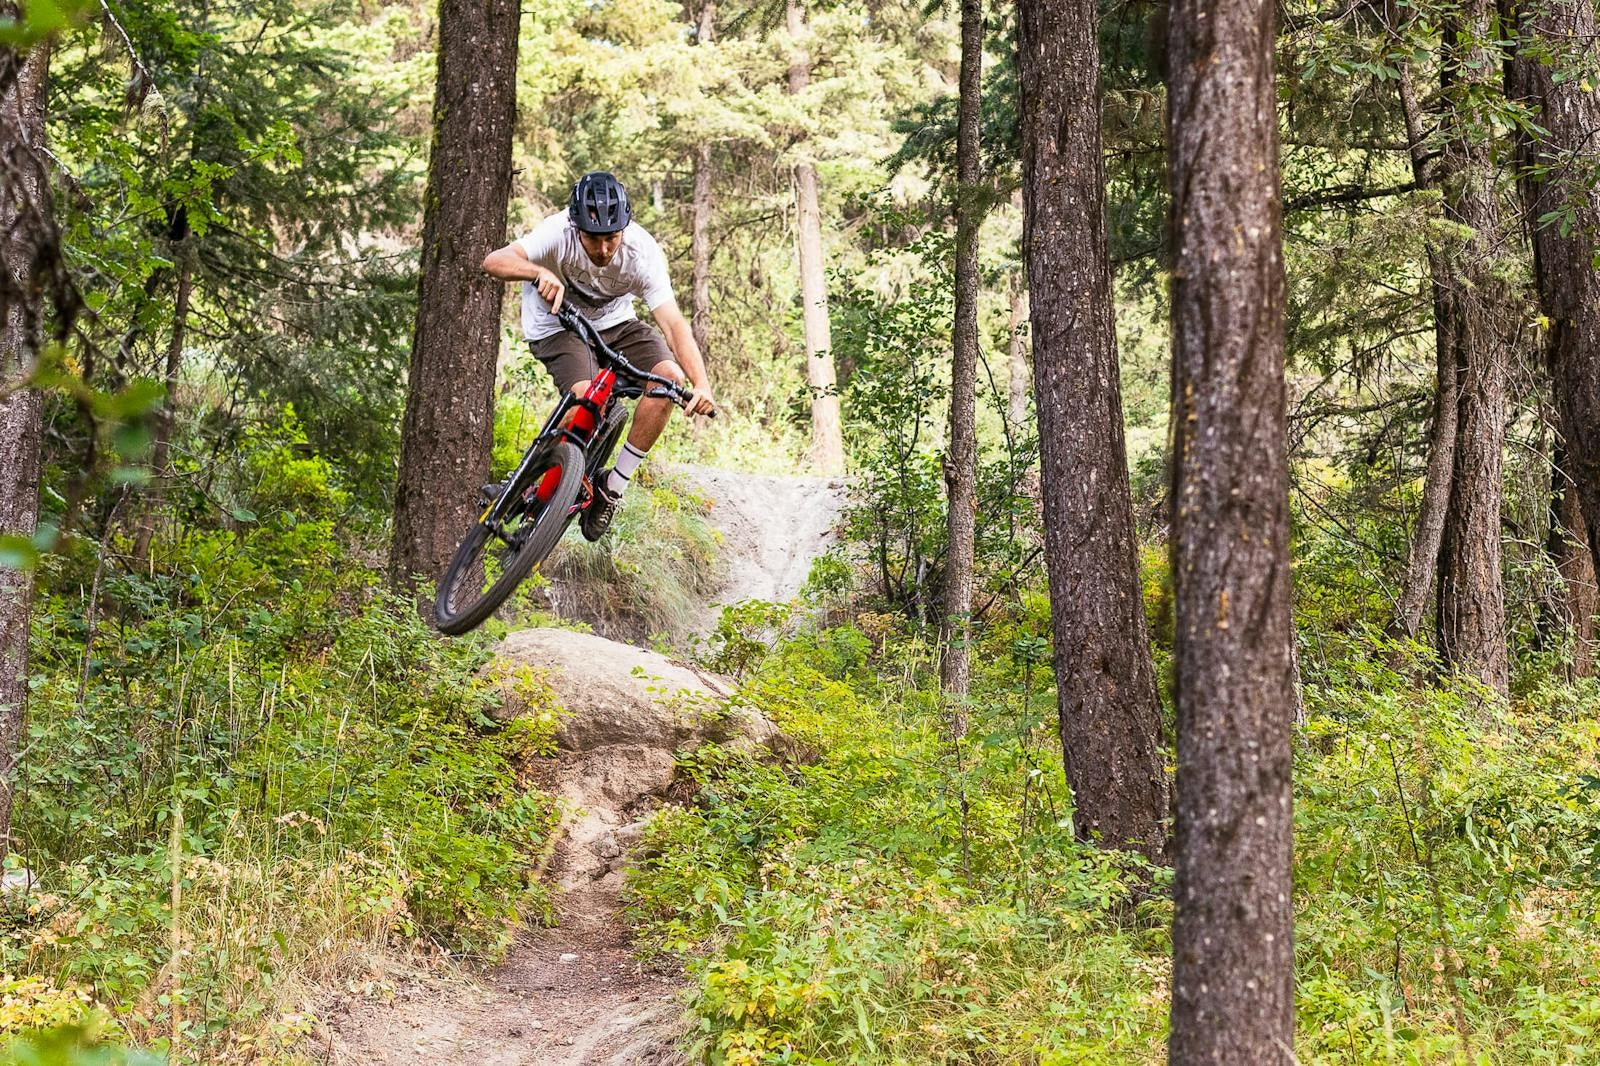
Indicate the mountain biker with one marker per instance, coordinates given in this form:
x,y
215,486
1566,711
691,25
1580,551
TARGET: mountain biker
x,y
596,257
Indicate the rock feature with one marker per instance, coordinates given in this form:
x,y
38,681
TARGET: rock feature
x,y
627,713
771,529
572,995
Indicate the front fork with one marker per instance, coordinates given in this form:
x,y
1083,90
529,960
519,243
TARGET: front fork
x,y
574,418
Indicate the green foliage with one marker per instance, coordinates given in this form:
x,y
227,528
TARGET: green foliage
x,y
253,177
72,1046
744,634
1446,839
830,912
38,20
252,718
851,912
895,397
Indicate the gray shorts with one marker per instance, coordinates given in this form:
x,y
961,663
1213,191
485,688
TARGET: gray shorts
x,y
569,360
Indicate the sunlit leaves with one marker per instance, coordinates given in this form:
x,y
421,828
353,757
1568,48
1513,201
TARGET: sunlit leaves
x,y
40,19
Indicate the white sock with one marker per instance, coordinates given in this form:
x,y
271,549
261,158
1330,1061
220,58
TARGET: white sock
x,y
622,473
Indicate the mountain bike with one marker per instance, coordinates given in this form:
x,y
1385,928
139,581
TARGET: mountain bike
x,y
550,487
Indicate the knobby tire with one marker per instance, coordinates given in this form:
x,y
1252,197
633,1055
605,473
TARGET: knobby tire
x,y
455,617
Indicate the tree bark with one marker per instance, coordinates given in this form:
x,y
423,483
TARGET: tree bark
x,y
1472,617
700,223
1233,959
24,207
961,464
827,433
1564,33
1105,682
1568,548
1017,352
448,431
1426,540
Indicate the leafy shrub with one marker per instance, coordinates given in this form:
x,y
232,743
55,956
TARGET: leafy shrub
x,y
829,912
249,746
847,915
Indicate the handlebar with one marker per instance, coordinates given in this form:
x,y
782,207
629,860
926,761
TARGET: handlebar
x,y
666,388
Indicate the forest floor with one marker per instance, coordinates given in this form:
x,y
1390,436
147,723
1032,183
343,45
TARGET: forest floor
x,y
575,995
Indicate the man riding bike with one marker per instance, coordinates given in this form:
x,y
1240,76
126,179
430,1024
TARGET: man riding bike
x,y
595,256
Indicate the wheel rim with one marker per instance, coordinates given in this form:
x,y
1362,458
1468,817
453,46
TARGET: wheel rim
x,y
496,549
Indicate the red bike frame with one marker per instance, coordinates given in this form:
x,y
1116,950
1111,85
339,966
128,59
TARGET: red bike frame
x,y
580,427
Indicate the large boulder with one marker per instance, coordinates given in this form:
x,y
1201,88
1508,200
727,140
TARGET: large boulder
x,y
615,694
625,715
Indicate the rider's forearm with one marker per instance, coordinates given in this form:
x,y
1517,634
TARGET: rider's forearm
x,y
688,356
507,265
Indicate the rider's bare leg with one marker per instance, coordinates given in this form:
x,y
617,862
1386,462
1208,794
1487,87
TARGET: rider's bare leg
x,y
649,419
651,415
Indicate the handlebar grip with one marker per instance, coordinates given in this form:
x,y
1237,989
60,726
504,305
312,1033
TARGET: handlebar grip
x,y
677,396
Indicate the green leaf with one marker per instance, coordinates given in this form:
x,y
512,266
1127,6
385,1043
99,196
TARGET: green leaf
x,y
17,552
40,19
131,441
139,397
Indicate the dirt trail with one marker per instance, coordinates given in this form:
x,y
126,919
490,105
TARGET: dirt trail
x,y
574,995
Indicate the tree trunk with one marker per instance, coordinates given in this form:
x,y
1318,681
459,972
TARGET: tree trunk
x,y
1017,352
24,204
1105,683
1564,32
448,431
1568,547
827,434
700,225
1472,616
1423,563
1233,957
961,464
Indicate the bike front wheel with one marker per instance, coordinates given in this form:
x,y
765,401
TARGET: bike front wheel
x,y
491,561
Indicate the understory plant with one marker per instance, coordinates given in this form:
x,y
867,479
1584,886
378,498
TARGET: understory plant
x,y
907,899
249,768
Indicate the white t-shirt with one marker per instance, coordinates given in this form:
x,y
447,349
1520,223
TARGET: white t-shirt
x,y
604,294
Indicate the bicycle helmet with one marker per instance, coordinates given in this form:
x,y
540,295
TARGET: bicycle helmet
x,y
599,203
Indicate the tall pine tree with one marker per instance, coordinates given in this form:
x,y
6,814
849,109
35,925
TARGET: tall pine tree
x,y
1233,957
961,462
1472,616
26,234
449,423
1552,71
1105,681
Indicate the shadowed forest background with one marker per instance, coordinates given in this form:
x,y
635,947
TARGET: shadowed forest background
x,y
1200,445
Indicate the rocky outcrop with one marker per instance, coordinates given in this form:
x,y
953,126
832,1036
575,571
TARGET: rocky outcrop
x,y
626,714
574,995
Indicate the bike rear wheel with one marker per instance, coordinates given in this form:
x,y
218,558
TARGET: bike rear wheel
x,y
490,563
605,441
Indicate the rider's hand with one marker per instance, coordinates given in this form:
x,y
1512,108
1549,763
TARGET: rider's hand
x,y
700,401
551,287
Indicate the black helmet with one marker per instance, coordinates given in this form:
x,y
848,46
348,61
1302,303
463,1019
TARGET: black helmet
x,y
599,203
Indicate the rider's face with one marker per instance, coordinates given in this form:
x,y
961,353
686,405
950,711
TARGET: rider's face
x,y
600,246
